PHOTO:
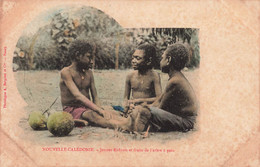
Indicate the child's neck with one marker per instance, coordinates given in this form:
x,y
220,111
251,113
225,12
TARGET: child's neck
x,y
76,66
172,73
143,71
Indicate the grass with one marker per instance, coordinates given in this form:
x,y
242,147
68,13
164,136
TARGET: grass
x,y
40,88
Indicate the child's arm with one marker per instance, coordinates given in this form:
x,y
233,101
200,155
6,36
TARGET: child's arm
x,y
93,91
142,100
67,78
167,95
157,102
127,93
157,86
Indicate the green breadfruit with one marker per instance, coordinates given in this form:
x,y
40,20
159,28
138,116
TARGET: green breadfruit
x,y
37,121
60,123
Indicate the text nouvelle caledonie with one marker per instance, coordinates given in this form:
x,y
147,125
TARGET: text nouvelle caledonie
x,y
106,149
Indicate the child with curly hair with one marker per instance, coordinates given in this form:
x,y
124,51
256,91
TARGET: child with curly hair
x,y
176,109
142,85
77,86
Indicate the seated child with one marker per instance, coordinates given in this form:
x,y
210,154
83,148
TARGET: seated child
x,y
77,85
176,109
143,84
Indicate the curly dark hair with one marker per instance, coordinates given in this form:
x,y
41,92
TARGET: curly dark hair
x,y
179,55
79,47
149,53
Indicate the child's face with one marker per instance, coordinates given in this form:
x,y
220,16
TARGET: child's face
x,y
86,60
138,60
164,63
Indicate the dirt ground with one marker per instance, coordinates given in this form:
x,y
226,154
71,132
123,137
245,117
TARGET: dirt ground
x,y
40,89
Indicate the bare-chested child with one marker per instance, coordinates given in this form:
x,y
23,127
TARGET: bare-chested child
x,y
143,84
77,86
176,109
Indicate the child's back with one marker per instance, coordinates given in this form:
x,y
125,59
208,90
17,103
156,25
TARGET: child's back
x,y
176,109
181,99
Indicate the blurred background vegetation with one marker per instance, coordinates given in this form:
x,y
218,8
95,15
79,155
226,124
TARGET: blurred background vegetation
x,y
47,48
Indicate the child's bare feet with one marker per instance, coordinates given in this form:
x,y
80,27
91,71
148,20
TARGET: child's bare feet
x,y
140,117
80,123
127,125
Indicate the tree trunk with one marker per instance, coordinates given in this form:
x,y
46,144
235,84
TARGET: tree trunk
x,y
117,56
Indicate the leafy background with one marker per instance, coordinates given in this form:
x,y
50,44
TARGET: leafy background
x,y
47,48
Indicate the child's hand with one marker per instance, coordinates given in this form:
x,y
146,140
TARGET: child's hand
x,y
106,114
126,108
131,106
135,101
127,103
130,110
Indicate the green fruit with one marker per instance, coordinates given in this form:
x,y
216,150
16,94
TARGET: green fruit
x,y
60,123
37,121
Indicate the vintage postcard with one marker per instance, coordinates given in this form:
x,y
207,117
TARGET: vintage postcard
x,y
129,83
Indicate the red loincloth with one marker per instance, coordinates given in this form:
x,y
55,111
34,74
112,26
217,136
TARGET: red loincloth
x,y
76,112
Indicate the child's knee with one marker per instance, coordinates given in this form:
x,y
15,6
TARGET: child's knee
x,y
154,110
88,115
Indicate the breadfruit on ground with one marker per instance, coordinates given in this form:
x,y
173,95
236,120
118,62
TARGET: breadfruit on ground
x,y
60,123
37,121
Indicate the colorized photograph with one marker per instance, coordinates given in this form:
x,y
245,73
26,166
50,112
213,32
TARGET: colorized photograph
x,y
129,83
84,76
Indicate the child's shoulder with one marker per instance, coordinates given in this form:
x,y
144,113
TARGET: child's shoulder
x,y
131,73
65,73
89,73
65,70
175,79
154,74
179,80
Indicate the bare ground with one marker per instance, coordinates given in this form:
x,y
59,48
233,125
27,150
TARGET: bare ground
x,y
40,89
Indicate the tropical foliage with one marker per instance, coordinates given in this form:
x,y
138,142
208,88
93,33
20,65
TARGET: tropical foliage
x,y
48,47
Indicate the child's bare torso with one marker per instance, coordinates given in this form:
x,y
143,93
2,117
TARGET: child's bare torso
x,y
179,97
142,86
82,82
